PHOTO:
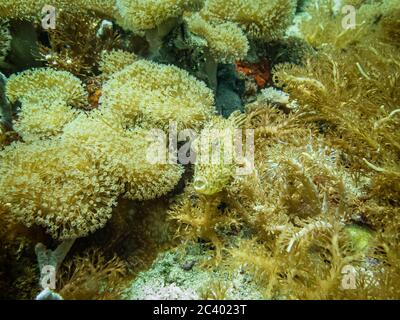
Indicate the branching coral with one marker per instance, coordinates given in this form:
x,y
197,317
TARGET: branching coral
x,y
376,19
292,181
347,72
322,192
325,249
295,183
268,122
381,281
326,158
158,94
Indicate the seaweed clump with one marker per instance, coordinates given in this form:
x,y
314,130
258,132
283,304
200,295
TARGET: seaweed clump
x,y
316,193
326,159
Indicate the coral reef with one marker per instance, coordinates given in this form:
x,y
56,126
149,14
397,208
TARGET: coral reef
x,y
325,151
331,32
287,113
32,10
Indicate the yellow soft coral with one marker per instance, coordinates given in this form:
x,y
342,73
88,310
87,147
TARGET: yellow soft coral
x,y
63,84
58,185
152,18
158,94
32,10
226,41
21,9
146,180
43,120
126,154
265,19
114,61
47,97
148,14
103,7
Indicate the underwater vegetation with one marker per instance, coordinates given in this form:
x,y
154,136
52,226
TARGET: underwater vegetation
x,y
315,211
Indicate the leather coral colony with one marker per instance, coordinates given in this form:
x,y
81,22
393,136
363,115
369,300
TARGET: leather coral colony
x,y
110,150
49,100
